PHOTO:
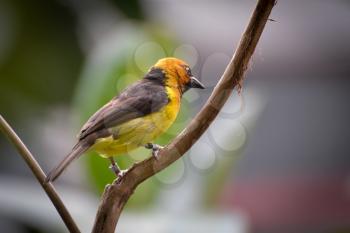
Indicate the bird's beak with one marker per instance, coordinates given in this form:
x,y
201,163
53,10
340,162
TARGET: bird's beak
x,y
194,83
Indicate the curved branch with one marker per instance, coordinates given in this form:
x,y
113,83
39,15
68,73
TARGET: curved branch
x,y
116,195
39,175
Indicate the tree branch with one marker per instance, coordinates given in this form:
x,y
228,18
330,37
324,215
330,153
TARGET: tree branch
x,y
117,194
39,175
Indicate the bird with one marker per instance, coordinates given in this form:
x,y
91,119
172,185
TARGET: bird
x,y
135,117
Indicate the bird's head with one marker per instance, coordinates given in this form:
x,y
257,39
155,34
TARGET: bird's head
x,y
174,73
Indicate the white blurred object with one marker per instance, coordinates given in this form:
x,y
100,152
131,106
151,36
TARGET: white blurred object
x,y
24,200
184,223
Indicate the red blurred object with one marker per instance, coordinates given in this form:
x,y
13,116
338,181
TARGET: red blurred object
x,y
287,204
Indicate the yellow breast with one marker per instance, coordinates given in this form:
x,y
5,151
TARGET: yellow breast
x,y
139,131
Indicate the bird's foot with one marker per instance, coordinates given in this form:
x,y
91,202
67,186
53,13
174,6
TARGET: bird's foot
x,y
121,173
115,168
117,171
155,149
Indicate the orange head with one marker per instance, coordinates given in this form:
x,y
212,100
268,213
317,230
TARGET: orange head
x,y
176,74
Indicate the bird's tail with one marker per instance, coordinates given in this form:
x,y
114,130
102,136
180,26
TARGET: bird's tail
x,y
77,150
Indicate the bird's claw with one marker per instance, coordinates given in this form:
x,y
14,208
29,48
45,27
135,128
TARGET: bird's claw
x,y
118,172
121,173
155,154
155,149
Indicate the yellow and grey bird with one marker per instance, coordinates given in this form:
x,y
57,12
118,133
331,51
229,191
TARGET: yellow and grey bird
x,y
136,116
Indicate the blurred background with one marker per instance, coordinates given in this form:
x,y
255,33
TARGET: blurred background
x,y
275,160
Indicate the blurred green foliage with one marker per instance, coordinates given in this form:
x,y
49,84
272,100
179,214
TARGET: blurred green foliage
x,y
43,57
131,9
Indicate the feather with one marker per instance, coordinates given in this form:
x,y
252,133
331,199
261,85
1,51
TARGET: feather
x,y
138,100
76,152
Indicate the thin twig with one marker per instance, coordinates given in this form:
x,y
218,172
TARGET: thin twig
x,y
116,195
39,174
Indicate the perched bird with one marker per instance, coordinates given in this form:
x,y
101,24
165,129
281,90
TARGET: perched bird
x,y
136,116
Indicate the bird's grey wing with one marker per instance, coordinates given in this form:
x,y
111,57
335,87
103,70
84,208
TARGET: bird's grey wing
x,y
140,99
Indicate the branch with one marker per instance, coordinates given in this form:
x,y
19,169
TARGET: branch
x,y
117,194
39,175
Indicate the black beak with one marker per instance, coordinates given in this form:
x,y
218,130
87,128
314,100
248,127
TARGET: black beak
x,y
194,83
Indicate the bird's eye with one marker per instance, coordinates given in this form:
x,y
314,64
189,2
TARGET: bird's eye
x,y
188,70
